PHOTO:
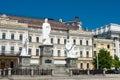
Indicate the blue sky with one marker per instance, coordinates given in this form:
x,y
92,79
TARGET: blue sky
x,y
92,13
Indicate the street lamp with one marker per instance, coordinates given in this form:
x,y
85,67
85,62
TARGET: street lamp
x,y
97,62
97,56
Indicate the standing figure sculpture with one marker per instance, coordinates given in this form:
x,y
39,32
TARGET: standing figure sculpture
x,y
46,28
70,49
24,51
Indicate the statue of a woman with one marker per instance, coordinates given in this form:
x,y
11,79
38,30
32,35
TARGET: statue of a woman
x,y
46,28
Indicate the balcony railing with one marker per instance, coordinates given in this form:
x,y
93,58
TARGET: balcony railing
x,y
9,53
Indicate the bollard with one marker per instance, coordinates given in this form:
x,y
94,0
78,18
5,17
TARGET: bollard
x,y
32,72
4,72
52,72
9,71
0,73
70,72
88,72
104,71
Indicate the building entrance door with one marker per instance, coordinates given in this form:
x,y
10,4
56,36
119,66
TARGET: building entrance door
x,y
11,64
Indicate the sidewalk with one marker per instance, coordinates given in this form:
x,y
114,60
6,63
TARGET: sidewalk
x,y
79,77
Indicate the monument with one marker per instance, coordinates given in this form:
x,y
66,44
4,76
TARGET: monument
x,y
24,57
46,60
71,60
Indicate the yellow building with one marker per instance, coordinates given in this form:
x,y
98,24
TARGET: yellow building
x,y
102,43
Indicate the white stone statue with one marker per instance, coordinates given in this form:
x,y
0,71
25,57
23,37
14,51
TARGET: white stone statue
x,y
70,49
46,28
24,51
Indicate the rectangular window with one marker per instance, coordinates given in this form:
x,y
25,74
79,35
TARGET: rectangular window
x,y
94,53
12,49
81,55
87,65
52,52
59,53
3,49
20,37
51,40
58,41
108,46
87,42
81,65
12,36
37,39
20,49
37,52
64,41
95,45
87,53
65,53
3,35
74,41
80,42
29,51
30,39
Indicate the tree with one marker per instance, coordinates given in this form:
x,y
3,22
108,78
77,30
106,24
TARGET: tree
x,y
116,62
104,59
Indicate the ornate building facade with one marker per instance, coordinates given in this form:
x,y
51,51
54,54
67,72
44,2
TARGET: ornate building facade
x,y
14,28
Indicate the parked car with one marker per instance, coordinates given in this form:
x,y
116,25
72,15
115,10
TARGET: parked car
x,y
113,71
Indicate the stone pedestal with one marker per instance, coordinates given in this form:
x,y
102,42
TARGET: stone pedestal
x,y
46,59
71,63
25,61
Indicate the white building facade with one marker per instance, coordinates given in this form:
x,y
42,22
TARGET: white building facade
x,y
111,31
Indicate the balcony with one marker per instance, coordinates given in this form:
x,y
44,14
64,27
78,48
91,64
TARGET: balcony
x,y
9,53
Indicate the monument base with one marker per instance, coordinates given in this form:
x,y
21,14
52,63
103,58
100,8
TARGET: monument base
x,y
25,61
71,63
46,58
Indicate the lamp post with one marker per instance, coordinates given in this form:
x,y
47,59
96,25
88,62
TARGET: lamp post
x,y
97,56
97,62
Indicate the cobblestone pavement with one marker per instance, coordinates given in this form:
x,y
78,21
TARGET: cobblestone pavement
x,y
80,77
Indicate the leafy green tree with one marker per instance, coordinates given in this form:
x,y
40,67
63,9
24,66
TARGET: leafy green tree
x,y
104,59
116,62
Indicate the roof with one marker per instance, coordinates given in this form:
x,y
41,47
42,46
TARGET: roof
x,y
37,22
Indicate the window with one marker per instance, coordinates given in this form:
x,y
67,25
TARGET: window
x,y
87,42
58,52
3,49
94,53
20,49
108,46
87,65
52,52
20,37
12,36
74,41
30,39
37,39
58,41
37,52
12,49
80,42
3,35
51,40
65,53
87,53
64,41
29,51
81,65
81,55
94,45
